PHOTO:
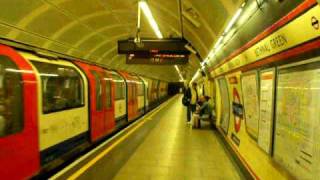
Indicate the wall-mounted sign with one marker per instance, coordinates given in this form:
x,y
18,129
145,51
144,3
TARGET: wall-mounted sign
x,y
250,89
233,80
155,51
237,110
157,59
267,83
225,110
161,46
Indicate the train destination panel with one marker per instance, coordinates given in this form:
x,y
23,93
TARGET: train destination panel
x,y
266,109
249,83
297,116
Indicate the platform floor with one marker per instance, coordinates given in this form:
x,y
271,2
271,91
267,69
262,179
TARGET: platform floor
x,y
173,150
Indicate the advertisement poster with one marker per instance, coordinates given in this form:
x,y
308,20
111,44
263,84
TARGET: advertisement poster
x,y
237,107
267,81
297,120
249,83
225,116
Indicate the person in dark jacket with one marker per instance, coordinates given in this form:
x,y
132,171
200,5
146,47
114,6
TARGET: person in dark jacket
x,y
187,99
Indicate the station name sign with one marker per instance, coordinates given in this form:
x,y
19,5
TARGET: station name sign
x,y
155,51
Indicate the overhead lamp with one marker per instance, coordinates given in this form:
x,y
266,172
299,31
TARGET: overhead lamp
x,y
178,70
190,48
234,18
195,76
218,42
147,12
218,45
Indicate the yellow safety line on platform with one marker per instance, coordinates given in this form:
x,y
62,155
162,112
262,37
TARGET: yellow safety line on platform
x,y
108,149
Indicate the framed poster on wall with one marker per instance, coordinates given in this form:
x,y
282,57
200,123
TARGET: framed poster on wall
x,y
250,94
266,109
297,129
225,104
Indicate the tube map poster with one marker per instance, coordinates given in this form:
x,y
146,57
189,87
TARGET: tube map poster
x,y
297,120
251,102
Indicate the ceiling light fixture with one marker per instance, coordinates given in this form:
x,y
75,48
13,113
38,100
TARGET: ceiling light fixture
x,y
218,45
147,12
190,48
178,70
234,18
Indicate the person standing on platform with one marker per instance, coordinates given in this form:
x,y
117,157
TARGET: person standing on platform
x,y
194,97
186,101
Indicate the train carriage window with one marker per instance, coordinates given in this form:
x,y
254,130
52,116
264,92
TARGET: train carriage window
x,y
11,99
119,87
62,87
108,94
140,89
98,85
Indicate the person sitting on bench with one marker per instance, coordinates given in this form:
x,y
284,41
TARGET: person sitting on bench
x,y
204,111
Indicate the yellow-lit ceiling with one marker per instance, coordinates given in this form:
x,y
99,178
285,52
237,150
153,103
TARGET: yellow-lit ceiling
x,y
90,29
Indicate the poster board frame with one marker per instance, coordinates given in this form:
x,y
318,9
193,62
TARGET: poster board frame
x,y
227,94
248,130
271,130
287,66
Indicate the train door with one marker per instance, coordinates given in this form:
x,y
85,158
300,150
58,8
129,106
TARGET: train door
x,y
120,99
97,110
19,144
136,99
130,102
109,115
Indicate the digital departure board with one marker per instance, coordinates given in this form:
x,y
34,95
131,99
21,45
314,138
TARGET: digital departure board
x,y
155,51
170,46
157,59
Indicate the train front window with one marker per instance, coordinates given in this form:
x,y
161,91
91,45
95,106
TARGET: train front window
x,y
62,87
11,99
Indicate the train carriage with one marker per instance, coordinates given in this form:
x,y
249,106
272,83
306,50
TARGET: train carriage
x,y
62,109
53,109
102,118
120,99
163,88
146,92
155,91
19,137
152,92
135,96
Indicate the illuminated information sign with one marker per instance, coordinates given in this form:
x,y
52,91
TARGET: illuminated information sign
x,y
157,59
155,51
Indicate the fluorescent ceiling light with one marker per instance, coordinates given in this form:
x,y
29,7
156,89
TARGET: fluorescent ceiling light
x,y
190,48
218,42
178,70
234,19
147,12
195,76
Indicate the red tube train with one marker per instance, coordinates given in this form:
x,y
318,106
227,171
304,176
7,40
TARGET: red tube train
x,y
50,110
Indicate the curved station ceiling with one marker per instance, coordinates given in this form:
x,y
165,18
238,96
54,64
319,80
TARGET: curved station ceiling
x,y
90,29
